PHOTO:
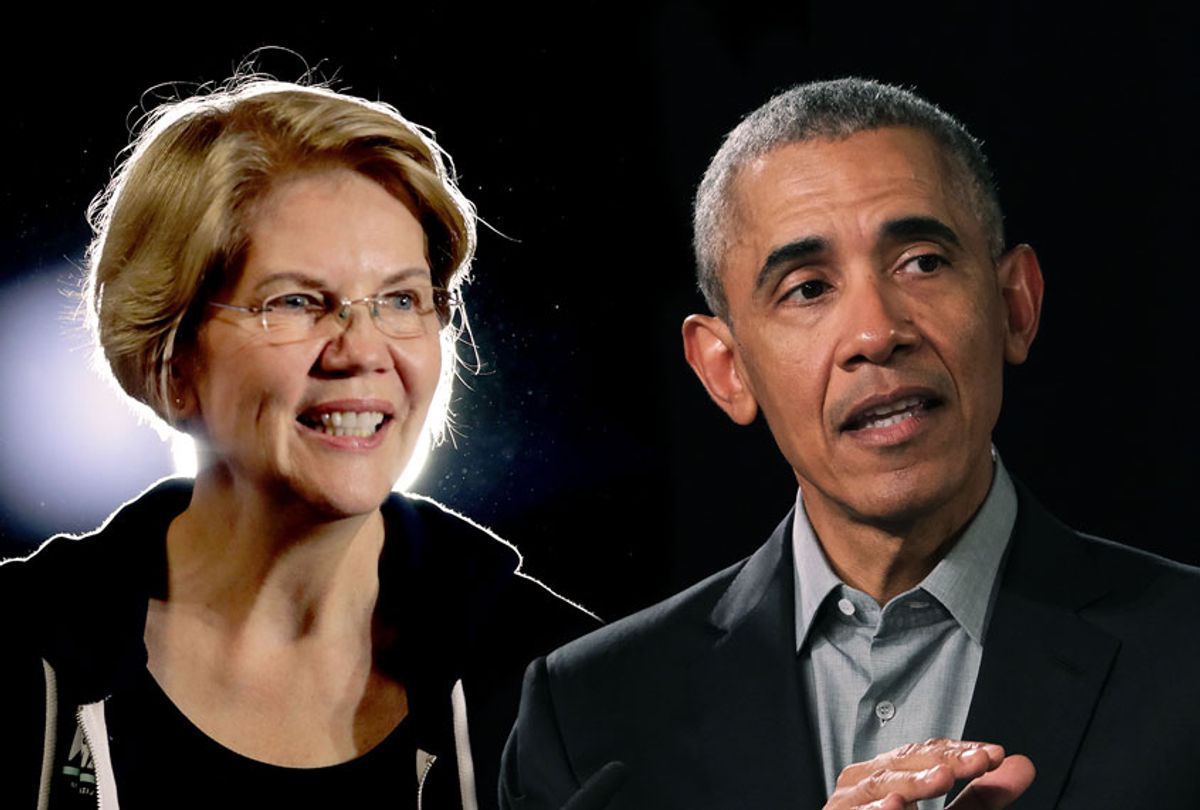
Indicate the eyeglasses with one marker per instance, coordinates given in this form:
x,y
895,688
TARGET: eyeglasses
x,y
295,316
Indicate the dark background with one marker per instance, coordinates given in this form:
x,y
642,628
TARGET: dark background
x,y
581,132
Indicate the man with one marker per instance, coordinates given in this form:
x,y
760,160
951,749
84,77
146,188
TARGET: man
x,y
850,245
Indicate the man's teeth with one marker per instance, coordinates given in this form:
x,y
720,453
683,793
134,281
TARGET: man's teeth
x,y
887,421
890,414
350,423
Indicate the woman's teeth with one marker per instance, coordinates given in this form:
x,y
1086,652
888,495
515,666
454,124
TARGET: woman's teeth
x,y
350,423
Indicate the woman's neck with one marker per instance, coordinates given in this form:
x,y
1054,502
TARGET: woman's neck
x,y
271,571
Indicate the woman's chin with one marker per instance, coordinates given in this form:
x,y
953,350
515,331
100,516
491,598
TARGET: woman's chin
x,y
346,497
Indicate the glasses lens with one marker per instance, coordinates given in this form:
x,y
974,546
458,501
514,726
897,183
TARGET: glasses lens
x,y
292,316
296,316
404,313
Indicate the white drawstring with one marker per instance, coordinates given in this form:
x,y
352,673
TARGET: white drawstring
x,y
50,738
462,748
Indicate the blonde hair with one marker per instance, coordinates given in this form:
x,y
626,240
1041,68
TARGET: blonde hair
x,y
171,227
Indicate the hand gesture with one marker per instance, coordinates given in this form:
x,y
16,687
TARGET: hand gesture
x,y
897,779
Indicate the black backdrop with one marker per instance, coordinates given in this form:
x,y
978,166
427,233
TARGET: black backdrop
x,y
580,133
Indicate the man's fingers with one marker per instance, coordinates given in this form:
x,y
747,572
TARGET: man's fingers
x,y
965,760
892,790
999,788
892,802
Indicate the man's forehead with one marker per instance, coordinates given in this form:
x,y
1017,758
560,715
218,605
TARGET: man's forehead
x,y
869,177
888,155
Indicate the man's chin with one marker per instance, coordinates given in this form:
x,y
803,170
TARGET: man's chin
x,y
903,501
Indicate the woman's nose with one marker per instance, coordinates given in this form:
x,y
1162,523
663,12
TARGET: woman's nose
x,y
357,345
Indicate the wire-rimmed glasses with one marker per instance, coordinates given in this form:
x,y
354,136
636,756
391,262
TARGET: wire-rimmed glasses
x,y
295,316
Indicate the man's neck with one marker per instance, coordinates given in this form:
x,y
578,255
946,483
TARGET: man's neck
x,y
886,557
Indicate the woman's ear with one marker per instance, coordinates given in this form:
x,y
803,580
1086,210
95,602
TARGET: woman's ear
x,y
182,404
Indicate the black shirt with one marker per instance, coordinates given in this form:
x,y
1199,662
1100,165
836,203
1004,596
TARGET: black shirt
x,y
160,759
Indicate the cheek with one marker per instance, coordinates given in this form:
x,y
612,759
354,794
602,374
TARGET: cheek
x,y
798,362
250,388
421,370
977,343
790,383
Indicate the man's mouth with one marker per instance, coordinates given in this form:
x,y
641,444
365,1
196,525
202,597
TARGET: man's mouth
x,y
344,423
890,413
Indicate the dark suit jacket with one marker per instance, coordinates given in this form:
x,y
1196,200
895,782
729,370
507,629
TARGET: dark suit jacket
x,y
1091,667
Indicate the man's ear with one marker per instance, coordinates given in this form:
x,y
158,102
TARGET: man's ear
x,y
1021,285
711,351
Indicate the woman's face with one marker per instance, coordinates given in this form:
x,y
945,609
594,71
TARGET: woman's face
x,y
266,410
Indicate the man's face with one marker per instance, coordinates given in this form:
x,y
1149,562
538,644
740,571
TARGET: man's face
x,y
870,325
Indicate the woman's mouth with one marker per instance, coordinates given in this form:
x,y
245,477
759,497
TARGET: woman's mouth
x,y
360,424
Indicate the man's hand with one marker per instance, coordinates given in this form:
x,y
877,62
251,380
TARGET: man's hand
x,y
897,779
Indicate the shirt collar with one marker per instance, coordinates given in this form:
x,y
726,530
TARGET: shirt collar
x,y
963,581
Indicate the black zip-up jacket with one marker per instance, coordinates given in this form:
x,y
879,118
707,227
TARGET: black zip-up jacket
x,y
74,616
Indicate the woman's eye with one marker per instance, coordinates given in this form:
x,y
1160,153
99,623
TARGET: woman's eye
x,y
400,300
294,302
808,290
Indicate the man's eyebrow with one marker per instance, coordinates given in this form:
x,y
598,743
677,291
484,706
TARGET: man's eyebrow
x,y
789,254
919,228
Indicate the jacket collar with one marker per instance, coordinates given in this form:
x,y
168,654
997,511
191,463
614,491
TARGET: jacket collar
x,y
1042,672
1043,664
760,703
91,593
750,596
438,574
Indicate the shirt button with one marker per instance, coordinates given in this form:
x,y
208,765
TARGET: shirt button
x,y
885,710
846,606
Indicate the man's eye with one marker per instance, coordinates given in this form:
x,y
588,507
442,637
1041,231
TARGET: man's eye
x,y
926,263
294,302
808,290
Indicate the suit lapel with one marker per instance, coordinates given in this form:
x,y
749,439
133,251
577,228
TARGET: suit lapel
x,y
1043,666
759,723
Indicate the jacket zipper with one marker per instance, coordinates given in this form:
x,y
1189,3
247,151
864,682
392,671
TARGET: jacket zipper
x,y
429,760
87,740
90,718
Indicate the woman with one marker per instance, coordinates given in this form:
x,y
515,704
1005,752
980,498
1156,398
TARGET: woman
x,y
275,271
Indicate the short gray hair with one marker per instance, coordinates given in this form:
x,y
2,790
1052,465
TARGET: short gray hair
x,y
829,110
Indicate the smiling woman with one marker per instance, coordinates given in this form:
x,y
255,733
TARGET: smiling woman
x,y
275,271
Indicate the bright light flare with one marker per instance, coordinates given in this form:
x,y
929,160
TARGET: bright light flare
x,y
73,448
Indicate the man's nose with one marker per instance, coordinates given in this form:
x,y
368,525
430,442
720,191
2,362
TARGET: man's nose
x,y
878,324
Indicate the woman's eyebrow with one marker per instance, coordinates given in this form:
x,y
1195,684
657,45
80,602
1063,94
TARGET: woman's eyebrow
x,y
407,273
303,279
312,282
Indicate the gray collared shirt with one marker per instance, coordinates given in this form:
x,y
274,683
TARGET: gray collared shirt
x,y
876,678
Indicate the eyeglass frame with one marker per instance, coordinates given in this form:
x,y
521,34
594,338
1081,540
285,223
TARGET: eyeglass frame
x,y
343,305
